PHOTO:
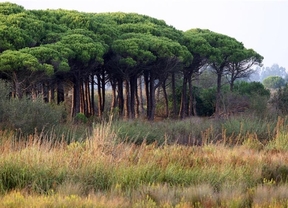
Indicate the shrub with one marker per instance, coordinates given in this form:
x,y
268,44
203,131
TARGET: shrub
x,y
80,118
251,88
274,82
29,116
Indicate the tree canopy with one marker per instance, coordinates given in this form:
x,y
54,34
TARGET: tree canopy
x,y
51,52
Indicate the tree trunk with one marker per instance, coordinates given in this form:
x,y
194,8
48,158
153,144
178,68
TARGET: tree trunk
x,y
141,102
114,99
92,95
133,91
218,94
60,92
183,106
103,89
127,107
76,95
51,92
166,99
152,100
45,92
87,98
120,97
174,98
147,92
99,95
191,97
82,102
17,86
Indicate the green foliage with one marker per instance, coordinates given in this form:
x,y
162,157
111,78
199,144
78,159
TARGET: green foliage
x,y
80,118
205,99
7,8
274,82
251,89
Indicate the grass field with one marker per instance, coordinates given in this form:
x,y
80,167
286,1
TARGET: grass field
x,y
103,171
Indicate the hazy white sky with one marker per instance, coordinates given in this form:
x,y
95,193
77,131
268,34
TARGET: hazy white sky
x,y
261,25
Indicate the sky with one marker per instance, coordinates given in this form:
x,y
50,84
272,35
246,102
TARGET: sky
x,y
258,24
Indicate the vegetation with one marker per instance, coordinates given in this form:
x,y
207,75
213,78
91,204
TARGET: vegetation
x,y
89,106
102,171
274,82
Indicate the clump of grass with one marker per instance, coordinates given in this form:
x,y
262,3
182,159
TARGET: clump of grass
x,y
237,128
280,140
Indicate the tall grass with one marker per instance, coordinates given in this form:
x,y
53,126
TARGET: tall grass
x,y
105,170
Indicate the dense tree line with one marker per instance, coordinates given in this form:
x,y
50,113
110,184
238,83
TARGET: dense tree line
x,y
50,52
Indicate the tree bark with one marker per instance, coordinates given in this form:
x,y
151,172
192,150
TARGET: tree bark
x,y
127,102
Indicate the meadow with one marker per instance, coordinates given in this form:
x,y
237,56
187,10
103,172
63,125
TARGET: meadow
x,y
191,163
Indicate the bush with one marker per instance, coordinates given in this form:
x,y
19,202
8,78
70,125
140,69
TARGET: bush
x,y
205,99
28,116
251,88
80,118
274,82
25,115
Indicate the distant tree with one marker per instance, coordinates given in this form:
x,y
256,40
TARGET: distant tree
x,y
274,82
274,70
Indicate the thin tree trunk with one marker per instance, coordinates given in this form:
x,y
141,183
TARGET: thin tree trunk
x,y
174,99
191,97
183,105
218,94
99,96
127,107
92,99
51,92
165,98
120,97
82,102
152,99
147,92
76,95
141,102
87,98
114,99
103,89
133,90
60,92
